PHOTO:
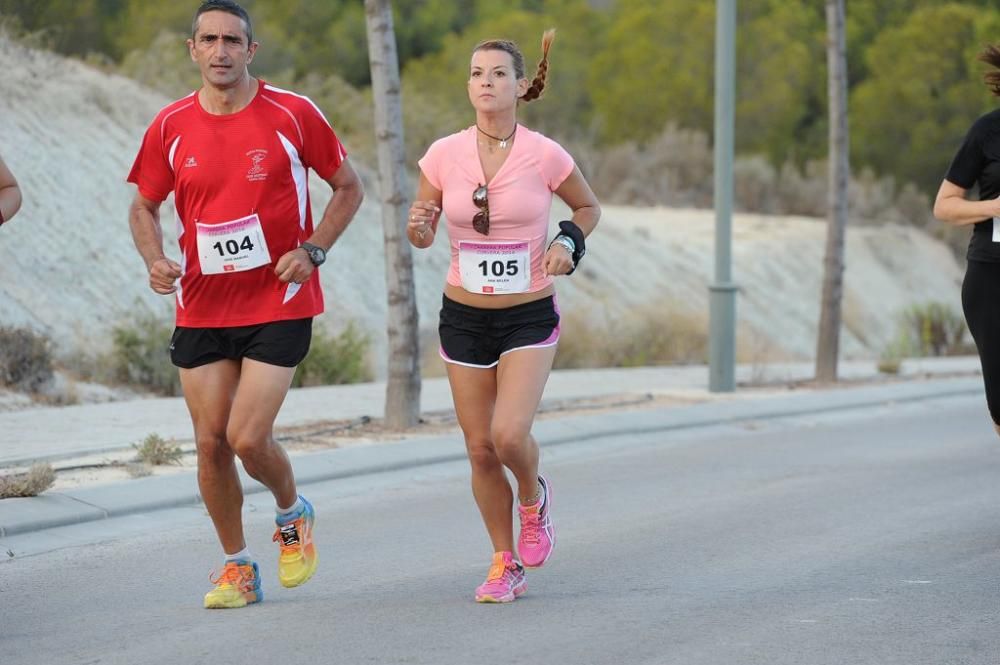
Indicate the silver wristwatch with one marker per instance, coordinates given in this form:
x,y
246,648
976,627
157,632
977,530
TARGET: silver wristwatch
x,y
316,254
566,242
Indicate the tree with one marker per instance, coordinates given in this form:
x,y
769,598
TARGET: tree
x,y
924,91
402,398
828,342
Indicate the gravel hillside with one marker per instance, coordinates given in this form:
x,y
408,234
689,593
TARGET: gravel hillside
x,y
68,267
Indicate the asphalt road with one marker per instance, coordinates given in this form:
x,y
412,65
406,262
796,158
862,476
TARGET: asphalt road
x,y
871,536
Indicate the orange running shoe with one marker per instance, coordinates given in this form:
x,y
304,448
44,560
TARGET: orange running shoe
x,y
237,586
294,534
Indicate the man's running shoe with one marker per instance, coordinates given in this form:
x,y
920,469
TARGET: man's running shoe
x,y
505,581
538,537
294,534
237,586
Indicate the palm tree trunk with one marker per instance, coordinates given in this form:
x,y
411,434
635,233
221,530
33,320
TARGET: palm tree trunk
x,y
828,342
402,398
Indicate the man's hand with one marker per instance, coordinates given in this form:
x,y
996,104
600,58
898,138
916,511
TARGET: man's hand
x,y
294,266
162,274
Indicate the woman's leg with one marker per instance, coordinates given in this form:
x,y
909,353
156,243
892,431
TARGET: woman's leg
x,y
521,377
474,393
980,291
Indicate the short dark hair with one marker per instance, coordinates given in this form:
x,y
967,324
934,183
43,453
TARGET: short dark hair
x,y
227,6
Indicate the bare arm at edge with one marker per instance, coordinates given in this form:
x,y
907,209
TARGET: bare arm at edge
x,y
10,193
951,206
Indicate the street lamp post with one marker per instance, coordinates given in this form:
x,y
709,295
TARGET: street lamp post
x,y
722,292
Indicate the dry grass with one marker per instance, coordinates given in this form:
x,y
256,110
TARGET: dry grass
x,y
654,335
25,359
675,169
155,450
36,480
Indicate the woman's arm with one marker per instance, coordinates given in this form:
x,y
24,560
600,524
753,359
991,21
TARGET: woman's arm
x,y
10,194
951,206
575,191
424,214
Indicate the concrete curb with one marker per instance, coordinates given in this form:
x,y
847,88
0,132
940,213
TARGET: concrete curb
x,y
51,510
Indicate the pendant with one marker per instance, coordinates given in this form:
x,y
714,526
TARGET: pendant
x,y
503,145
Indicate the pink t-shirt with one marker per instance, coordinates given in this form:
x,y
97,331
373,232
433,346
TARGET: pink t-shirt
x,y
520,194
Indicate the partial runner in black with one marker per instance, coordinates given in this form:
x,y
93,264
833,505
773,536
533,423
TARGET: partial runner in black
x,y
977,165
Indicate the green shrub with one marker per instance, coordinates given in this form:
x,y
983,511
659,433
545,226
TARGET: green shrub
x,y
25,359
336,359
36,480
140,355
155,450
891,359
935,329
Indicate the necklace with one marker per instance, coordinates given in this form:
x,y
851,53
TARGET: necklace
x,y
503,142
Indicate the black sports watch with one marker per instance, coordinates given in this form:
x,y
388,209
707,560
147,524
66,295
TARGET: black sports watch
x,y
316,254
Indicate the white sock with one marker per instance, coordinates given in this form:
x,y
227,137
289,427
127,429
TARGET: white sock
x,y
242,555
296,508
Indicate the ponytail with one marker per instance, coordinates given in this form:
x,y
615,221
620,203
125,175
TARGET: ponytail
x,y
538,84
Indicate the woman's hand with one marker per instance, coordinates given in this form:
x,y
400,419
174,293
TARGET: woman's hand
x,y
557,260
422,223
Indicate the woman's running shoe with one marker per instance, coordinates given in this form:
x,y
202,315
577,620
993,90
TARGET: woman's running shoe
x,y
537,538
505,581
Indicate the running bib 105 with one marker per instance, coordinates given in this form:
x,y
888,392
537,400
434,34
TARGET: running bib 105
x,y
232,246
495,267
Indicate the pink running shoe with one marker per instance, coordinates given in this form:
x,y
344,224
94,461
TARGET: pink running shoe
x,y
537,538
505,581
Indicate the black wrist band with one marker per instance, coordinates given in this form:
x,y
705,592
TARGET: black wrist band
x,y
574,233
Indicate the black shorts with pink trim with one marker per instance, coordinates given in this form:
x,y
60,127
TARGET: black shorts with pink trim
x,y
477,337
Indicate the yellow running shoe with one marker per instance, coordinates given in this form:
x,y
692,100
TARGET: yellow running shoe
x,y
237,586
294,535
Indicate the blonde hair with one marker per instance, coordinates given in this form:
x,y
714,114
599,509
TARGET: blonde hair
x,y
538,83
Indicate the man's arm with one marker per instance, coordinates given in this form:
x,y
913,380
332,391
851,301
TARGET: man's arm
x,y
144,220
348,192
10,194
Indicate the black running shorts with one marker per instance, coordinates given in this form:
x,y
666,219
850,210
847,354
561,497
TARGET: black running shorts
x,y
282,343
477,337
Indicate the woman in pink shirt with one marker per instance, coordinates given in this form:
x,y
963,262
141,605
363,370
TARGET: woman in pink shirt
x,y
499,322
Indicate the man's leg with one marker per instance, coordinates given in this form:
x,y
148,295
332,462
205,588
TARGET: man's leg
x,y
209,391
261,392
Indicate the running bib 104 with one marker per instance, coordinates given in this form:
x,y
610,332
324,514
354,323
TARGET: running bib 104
x,y
495,267
232,246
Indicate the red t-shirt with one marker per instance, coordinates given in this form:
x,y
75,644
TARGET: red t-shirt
x,y
250,168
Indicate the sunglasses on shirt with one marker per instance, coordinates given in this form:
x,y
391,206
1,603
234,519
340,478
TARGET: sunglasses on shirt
x,y
481,222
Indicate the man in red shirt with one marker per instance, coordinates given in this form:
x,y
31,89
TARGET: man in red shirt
x,y
236,156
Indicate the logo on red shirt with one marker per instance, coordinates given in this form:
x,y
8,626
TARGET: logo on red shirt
x,y
257,171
